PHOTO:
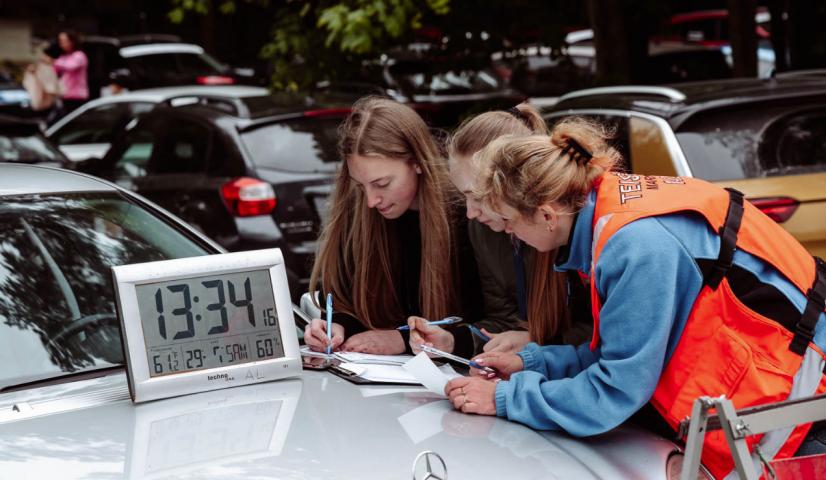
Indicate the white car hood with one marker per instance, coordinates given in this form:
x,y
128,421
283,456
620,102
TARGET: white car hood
x,y
318,426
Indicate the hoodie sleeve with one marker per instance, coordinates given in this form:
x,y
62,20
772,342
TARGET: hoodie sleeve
x,y
648,290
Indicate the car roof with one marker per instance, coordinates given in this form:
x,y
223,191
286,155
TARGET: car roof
x,y
279,108
158,95
157,48
16,179
677,102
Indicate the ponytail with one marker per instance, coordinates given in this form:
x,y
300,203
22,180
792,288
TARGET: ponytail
x,y
528,171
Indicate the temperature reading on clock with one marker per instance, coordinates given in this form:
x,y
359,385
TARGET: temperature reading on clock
x,y
209,321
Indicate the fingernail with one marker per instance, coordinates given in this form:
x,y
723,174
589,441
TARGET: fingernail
x,y
481,361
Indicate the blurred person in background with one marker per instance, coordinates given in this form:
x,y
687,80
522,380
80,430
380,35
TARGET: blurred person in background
x,y
71,66
42,83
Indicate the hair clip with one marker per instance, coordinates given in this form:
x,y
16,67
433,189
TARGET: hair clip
x,y
577,152
517,114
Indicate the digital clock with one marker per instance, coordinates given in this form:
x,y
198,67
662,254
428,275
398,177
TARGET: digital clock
x,y
203,323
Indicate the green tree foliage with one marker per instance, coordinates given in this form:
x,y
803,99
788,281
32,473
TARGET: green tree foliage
x,y
318,40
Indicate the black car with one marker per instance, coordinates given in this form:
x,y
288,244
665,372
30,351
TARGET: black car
x,y
21,141
250,178
443,88
138,62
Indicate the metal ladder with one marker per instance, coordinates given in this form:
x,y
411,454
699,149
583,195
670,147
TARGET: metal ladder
x,y
737,425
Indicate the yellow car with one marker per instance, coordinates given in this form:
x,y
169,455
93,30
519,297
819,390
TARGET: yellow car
x,y
766,138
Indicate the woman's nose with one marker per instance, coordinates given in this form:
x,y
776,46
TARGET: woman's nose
x,y
373,200
472,210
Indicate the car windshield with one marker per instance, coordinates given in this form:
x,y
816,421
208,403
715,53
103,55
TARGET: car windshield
x,y
419,78
175,65
304,146
57,301
27,149
756,141
267,105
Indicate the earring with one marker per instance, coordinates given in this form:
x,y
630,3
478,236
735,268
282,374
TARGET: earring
x,y
549,227
418,169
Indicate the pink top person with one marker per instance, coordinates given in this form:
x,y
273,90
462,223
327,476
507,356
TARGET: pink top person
x,y
72,70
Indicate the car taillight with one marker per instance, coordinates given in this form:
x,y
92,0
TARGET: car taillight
x,y
247,197
778,209
214,80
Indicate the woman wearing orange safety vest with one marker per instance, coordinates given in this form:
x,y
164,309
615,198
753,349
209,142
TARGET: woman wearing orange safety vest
x,y
694,291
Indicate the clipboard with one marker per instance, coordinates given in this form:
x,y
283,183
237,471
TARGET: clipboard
x,y
353,378
332,366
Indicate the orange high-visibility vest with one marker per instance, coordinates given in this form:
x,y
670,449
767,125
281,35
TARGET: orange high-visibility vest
x,y
726,348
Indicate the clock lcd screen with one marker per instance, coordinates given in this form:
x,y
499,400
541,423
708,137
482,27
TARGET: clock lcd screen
x,y
208,322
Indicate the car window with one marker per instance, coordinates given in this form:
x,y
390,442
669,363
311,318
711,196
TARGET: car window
x,y
440,79
795,144
305,145
135,153
755,141
179,149
27,149
57,309
100,124
648,151
174,65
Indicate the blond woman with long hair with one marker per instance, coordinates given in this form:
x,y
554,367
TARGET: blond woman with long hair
x,y
695,293
518,283
391,247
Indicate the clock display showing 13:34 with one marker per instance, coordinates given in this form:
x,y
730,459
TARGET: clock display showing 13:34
x,y
209,321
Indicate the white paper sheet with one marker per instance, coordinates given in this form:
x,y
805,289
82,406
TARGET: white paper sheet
x,y
355,357
307,352
422,368
381,373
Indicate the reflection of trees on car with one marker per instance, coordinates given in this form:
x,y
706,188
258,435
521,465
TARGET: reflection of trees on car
x,y
55,282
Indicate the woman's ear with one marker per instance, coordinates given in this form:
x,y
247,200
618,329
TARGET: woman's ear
x,y
549,216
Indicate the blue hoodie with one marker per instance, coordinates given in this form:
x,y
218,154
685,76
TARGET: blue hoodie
x,y
649,280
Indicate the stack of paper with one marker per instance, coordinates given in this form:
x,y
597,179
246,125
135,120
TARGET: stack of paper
x,y
406,369
400,374
355,357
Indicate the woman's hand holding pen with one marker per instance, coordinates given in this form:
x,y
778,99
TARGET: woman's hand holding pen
x,y
421,332
505,364
506,342
315,335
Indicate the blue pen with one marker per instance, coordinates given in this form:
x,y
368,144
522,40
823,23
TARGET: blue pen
x,y
329,323
455,358
478,333
444,321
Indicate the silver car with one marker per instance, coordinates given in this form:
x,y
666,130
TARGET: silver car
x,y
88,132
65,409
